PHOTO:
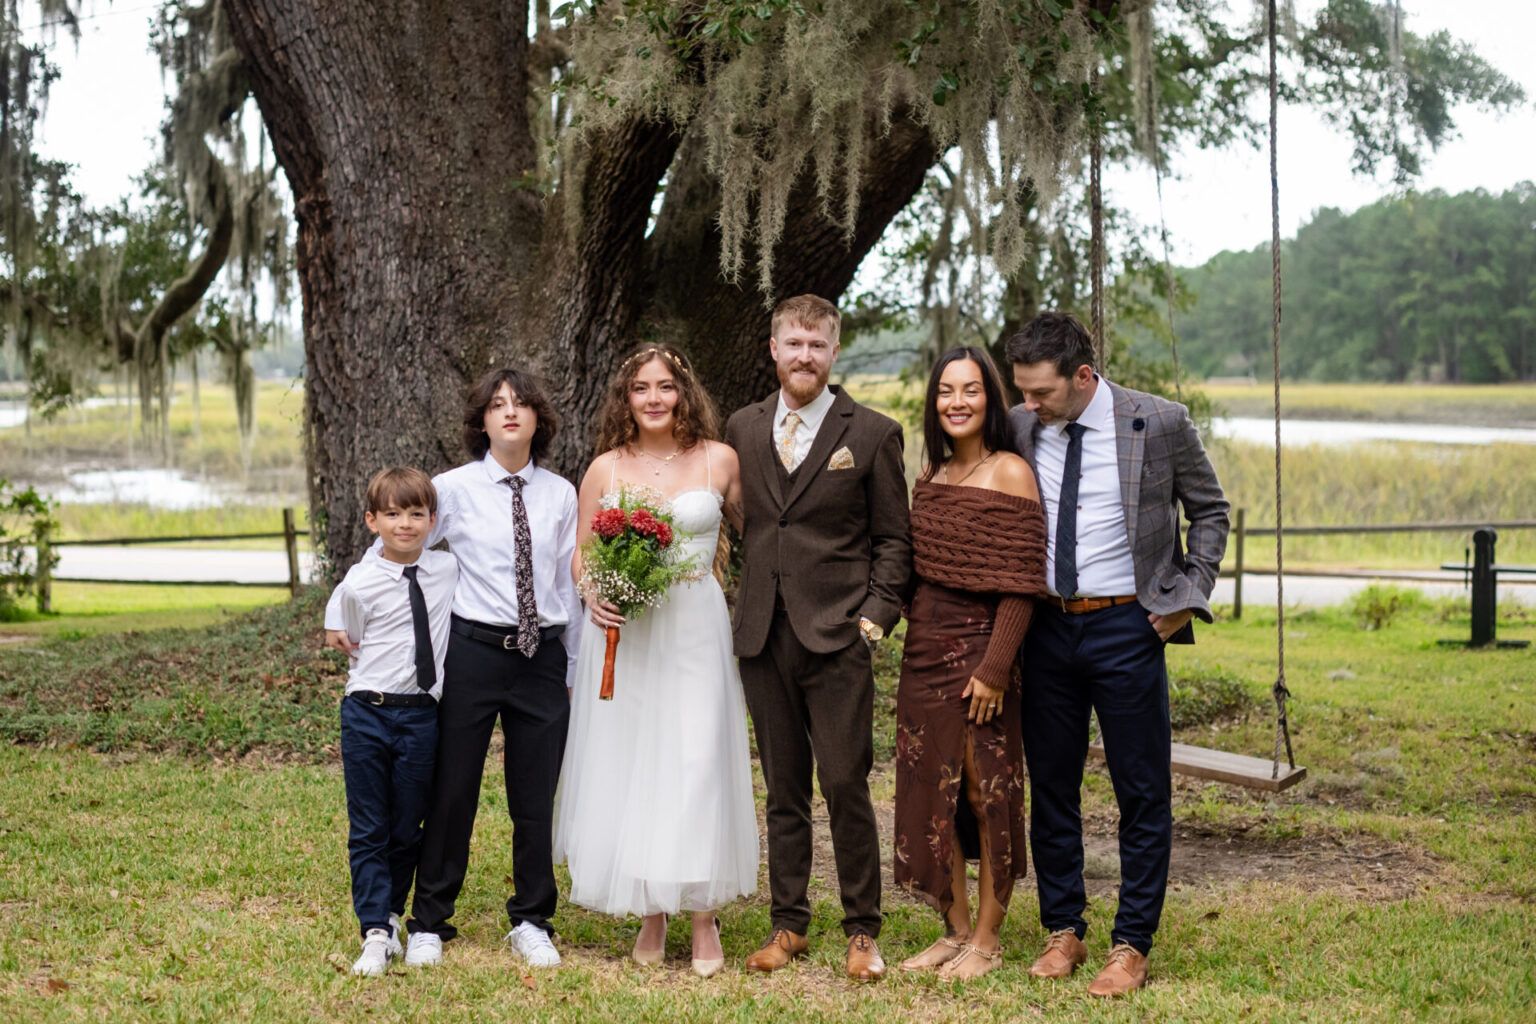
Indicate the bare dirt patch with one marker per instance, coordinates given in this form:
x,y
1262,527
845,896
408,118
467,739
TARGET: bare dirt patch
x,y
1205,856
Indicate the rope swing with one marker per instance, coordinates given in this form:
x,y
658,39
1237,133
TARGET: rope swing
x,y
1203,762
1281,693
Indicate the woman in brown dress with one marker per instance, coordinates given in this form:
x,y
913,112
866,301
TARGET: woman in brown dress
x,y
978,541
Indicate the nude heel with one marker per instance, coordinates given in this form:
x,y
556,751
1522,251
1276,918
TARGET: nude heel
x,y
709,968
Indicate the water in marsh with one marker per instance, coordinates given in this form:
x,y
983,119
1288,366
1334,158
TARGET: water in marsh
x,y
1257,430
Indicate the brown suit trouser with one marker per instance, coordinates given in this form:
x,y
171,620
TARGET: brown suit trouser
x,y
816,708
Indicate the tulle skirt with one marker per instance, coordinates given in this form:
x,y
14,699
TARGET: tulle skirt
x,y
655,811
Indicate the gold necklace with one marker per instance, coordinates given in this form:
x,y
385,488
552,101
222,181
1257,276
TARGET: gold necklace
x,y
660,460
968,472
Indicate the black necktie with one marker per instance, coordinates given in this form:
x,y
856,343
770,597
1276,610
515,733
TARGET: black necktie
x,y
522,571
426,668
1066,513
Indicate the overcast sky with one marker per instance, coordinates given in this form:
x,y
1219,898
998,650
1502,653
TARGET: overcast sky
x,y
106,109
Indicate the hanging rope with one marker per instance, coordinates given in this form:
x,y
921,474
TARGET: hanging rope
x,y
1282,728
1096,220
1173,335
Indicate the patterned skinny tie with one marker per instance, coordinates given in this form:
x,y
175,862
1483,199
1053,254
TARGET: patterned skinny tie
x,y
1066,513
787,443
426,667
527,608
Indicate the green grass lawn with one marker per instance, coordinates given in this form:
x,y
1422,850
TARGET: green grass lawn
x,y
85,608
172,847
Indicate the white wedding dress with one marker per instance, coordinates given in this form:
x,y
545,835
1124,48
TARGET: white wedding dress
x,y
655,811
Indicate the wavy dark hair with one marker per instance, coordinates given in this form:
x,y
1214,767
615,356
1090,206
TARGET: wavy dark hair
x,y
996,434
525,386
1052,337
695,418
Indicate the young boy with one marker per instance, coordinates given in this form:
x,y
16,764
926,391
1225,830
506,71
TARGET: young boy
x,y
390,614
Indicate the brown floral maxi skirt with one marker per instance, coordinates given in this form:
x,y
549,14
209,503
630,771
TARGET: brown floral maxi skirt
x,y
947,635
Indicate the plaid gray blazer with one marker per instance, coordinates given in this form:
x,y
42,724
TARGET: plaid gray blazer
x,y
1163,465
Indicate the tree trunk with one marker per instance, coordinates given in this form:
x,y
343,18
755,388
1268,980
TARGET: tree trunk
x,y
425,256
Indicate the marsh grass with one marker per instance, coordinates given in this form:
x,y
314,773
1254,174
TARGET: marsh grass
x,y
1382,483
1491,405
205,443
173,831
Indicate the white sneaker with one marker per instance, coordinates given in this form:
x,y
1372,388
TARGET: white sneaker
x,y
424,950
532,944
395,949
375,956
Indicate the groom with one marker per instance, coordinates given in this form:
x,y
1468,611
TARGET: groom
x,y
825,554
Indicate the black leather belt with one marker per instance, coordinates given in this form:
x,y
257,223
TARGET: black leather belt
x,y
379,699
497,636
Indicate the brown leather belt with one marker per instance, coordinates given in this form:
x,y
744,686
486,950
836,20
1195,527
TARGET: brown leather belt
x,y
1079,605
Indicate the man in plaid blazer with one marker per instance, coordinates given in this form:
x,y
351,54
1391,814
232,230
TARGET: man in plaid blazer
x,y
1114,466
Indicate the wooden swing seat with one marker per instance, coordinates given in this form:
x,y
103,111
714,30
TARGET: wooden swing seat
x,y
1221,766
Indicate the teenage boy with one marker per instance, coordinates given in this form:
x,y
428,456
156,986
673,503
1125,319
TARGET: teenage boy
x,y
390,615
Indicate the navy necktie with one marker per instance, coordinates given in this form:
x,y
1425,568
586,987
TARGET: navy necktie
x,y
426,667
1066,513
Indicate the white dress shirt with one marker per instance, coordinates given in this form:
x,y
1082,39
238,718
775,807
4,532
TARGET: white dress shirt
x,y
811,414
474,514
372,604
1105,567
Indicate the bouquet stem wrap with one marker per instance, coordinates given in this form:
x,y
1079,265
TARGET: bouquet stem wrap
x,y
606,692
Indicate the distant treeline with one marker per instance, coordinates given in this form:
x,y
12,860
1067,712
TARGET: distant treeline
x,y
1425,287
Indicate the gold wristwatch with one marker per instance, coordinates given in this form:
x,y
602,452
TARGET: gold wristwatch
x,y
872,631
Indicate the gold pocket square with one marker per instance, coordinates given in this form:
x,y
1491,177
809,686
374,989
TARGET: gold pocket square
x,y
841,459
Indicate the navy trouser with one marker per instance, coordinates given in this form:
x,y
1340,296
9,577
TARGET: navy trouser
x,y
485,683
387,759
1109,661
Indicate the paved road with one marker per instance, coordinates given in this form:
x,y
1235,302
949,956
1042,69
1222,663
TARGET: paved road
x,y
172,564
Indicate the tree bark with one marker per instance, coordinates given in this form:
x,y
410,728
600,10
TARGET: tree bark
x,y
426,254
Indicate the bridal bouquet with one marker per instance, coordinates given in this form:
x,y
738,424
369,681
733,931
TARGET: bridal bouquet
x,y
632,557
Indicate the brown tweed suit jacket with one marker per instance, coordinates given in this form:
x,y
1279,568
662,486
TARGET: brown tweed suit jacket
x,y
835,542
1163,465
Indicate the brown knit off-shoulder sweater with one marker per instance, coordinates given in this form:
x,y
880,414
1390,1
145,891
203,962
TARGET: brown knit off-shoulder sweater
x,y
986,542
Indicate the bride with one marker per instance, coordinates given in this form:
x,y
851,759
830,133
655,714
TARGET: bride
x,y
655,814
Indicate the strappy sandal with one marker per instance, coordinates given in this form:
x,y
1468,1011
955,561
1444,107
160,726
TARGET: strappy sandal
x,y
955,947
994,960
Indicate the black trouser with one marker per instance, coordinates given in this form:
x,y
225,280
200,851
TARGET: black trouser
x,y
480,682
1110,661
816,707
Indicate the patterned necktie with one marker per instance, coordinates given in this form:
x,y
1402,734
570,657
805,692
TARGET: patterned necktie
x,y
1066,513
787,443
527,608
426,667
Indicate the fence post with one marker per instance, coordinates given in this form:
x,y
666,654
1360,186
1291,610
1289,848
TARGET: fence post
x,y
1239,535
44,549
291,541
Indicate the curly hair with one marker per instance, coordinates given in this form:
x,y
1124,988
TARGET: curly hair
x,y
527,388
695,418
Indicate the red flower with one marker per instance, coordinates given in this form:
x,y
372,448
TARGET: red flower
x,y
645,524
608,523
663,534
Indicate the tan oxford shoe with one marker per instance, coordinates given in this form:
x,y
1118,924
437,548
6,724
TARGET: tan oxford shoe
x,y
1064,953
1126,971
782,947
864,962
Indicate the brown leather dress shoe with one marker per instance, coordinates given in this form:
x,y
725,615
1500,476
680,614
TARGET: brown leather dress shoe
x,y
1064,953
782,947
1126,971
864,962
